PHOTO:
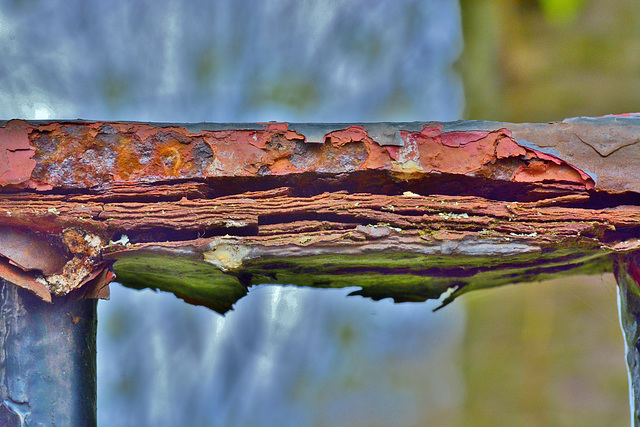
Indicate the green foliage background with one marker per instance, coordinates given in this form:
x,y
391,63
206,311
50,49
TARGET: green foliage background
x,y
548,353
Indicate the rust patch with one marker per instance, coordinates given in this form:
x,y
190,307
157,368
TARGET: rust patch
x,y
96,284
507,147
86,249
252,152
563,170
93,155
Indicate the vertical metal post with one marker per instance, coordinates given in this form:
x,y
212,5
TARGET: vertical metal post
x,y
47,360
626,268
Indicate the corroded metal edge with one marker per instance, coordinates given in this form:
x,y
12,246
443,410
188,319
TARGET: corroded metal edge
x,y
82,186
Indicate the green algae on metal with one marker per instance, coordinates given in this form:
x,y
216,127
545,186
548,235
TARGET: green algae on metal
x,y
417,277
196,282
403,277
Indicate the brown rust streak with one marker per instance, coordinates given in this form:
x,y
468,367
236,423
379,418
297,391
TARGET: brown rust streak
x,y
274,211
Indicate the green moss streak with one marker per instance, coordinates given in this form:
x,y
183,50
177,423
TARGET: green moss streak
x,y
414,277
194,281
400,276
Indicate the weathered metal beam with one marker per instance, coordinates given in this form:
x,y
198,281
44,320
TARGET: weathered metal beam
x,y
236,201
401,210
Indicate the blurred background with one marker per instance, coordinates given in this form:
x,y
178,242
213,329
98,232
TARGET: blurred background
x,y
527,355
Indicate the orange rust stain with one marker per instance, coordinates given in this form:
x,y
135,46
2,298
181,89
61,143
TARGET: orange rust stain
x,y
165,153
281,166
95,154
172,160
127,161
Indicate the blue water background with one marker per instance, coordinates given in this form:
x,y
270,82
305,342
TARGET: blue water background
x,y
285,356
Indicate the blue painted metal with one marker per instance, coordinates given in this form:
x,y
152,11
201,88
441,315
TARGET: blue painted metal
x,y
47,360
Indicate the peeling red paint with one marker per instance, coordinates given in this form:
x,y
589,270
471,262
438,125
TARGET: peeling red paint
x,y
260,139
428,151
16,164
23,279
462,139
507,147
248,152
342,137
480,152
562,172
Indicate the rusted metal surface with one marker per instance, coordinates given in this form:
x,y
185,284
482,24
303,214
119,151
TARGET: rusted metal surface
x,y
115,152
605,146
76,196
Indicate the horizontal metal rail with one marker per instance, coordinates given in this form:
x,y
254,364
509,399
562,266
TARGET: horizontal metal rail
x,y
410,211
